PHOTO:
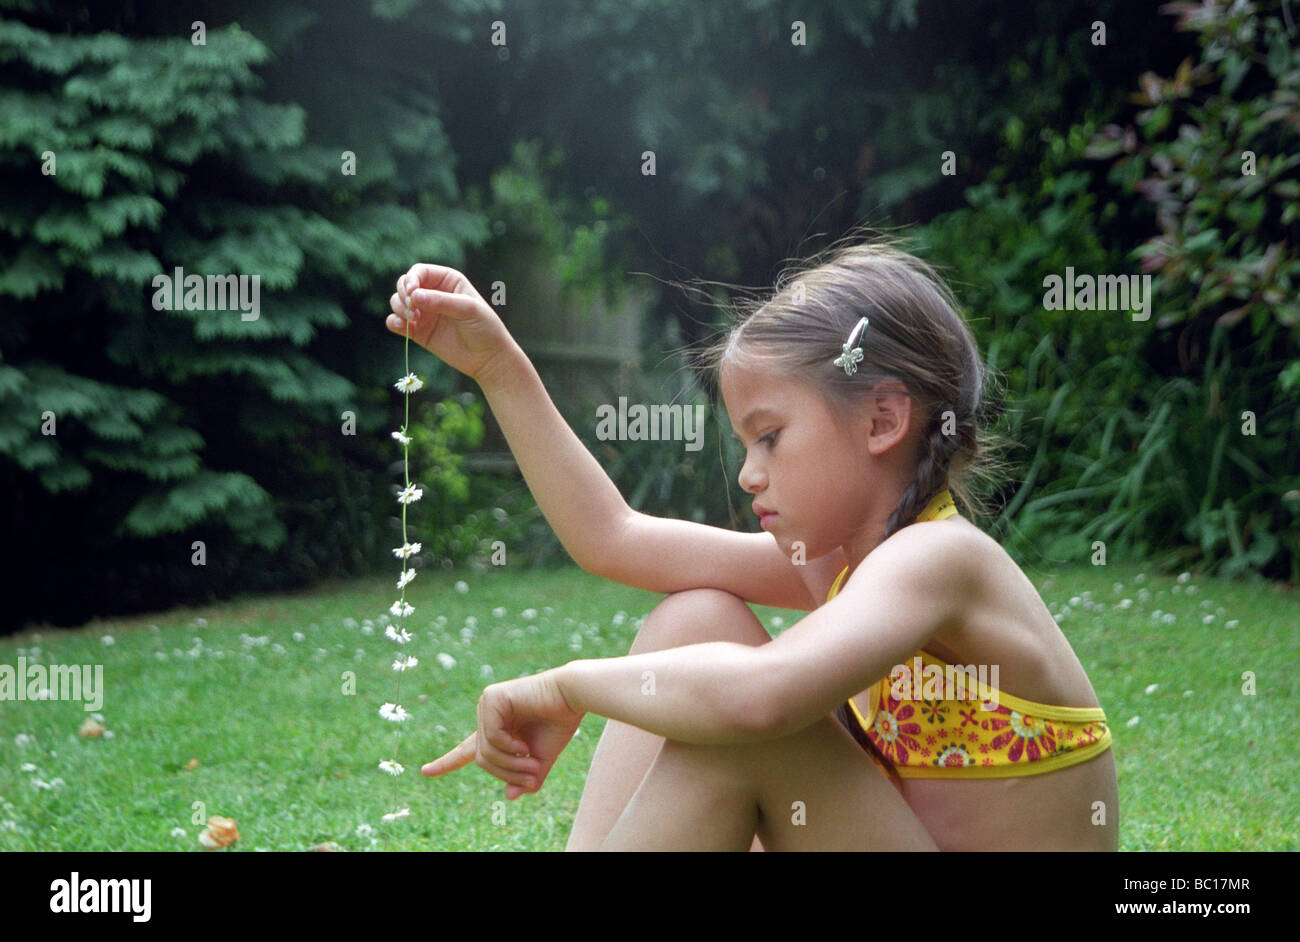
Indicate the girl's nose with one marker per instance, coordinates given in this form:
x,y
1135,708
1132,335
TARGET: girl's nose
x,y
751,479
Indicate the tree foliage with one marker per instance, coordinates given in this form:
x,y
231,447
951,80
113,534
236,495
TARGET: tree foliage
x,y
133,145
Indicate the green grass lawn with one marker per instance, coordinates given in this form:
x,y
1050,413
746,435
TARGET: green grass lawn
x,y
253,689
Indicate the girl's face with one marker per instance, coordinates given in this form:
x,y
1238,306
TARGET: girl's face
x,y
801,464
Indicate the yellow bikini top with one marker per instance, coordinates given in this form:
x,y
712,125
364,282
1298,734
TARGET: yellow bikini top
x,y
950,735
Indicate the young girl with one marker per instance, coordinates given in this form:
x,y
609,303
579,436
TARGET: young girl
x,y
856,391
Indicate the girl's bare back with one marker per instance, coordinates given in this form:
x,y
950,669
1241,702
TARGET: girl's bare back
x,y
1007,624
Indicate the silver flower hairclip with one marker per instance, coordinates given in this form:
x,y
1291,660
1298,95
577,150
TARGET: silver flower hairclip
x,y
852,355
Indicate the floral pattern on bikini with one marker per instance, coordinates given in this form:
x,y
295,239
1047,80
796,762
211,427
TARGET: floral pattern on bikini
x,y
894,732
1021,735
954,755
934,712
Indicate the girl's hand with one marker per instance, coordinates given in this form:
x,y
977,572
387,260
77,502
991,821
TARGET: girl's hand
x,y
523,726
448,317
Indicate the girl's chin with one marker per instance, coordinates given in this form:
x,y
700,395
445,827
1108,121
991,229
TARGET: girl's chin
x,y
797,548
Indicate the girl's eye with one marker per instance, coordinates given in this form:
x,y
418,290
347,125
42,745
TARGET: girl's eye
x,y
770,438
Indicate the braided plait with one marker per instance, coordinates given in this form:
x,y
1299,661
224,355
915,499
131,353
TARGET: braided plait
x,y
931,469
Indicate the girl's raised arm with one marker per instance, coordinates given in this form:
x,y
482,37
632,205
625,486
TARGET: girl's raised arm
x,y
449,318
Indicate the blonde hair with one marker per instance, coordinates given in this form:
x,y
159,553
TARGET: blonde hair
x,y
915,336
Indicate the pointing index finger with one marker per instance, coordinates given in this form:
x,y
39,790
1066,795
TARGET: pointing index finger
x,y
461,756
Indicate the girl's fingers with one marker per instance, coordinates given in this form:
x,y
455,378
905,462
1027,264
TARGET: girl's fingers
x,y
399,306
502,740
507,761
524,778
458,307
514,780
459,757
431,277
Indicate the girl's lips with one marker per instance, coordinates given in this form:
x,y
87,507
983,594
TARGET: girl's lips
x,y
765,519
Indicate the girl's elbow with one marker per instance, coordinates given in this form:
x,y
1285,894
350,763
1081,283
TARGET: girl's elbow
x,y
763,714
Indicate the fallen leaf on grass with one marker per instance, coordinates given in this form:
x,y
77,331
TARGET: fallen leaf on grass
x,y
220,832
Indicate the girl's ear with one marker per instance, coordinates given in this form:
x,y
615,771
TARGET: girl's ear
x,y
889,416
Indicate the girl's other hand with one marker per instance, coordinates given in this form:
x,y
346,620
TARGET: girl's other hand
x,y
448,317
523,726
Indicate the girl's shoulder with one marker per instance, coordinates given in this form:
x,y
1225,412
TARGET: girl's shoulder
x,y
1005,621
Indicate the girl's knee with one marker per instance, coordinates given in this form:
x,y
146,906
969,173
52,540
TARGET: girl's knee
x,y
693,616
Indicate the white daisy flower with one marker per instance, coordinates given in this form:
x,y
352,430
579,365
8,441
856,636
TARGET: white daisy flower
x,y
462,587
407,549
446,660
410,494
394,815
401,609
392,768
406,577
394,713
27,767
404,439
409,383
400,636
364,830
178,832
405,663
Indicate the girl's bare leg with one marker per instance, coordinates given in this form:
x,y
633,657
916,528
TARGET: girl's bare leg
x,y
813,790
625,753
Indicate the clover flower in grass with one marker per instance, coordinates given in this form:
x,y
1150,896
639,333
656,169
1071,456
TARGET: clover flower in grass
x,y
410,494
407,549
406,577
393,816
401,609
401,636
404,439
405,663
394,713
409,383
392,767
